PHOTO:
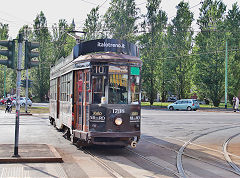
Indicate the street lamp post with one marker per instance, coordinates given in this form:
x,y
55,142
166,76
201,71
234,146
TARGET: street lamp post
x,y
226,77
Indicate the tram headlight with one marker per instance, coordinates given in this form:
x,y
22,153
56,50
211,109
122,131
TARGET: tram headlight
x,y
118,121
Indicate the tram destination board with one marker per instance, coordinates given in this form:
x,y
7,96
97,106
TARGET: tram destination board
x,y
106,45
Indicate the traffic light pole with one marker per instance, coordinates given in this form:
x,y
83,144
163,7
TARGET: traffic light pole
x,y
19,64
26,108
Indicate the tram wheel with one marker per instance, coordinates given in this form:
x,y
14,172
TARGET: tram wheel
x,y
81,143
67,134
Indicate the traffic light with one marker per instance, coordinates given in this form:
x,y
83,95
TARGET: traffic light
x,y
23,83
30,83
29,54
10,53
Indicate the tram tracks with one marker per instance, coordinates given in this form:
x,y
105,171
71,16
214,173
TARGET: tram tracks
x,y
105,166
193,157
179,172
101,161
153,162
226,154
180,152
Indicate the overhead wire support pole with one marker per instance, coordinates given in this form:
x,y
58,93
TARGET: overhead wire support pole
x,y
19,64
77,38
226,76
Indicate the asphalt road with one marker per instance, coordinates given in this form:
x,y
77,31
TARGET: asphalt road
x,y
163,135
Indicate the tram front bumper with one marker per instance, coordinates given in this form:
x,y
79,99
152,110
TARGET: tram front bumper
x,y
114,134
113,138
107,138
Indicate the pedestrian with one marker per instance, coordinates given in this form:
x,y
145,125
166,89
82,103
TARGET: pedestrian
x,y
237,104
234,103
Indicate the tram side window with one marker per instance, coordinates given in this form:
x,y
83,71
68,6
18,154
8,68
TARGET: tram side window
x,y
118,85
53,89
98,87
66,87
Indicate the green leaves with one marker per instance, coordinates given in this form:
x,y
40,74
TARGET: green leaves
x,y
120,20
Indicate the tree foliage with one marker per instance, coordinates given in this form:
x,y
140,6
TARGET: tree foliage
x,y
93,25
120,20
3,36
210,41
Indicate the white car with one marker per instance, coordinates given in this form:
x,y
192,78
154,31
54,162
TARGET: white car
x,y
23,101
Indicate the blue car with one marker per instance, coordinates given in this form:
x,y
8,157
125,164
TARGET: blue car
x,y
184,104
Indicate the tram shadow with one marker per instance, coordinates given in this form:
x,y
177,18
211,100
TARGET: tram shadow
x,y
155,157
127,161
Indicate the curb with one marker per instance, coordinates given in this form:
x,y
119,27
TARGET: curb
x,y
34,159
25,114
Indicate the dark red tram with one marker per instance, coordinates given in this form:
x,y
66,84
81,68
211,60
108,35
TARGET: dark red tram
x,y
95,93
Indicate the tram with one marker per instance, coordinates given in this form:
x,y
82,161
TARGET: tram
x,y
95,93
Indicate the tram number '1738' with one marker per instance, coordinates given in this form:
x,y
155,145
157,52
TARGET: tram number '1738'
x,y
118,111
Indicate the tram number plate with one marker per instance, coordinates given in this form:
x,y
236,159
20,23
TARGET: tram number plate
x,y
118,111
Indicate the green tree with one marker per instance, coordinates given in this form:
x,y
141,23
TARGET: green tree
x,y
120,20
182,37
3,36
93,25
232,23
152,44
210,43
41,73
62,42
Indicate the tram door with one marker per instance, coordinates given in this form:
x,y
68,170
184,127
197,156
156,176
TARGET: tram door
x,y
58,96
81,91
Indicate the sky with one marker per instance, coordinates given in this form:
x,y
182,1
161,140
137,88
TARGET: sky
x,y
17,13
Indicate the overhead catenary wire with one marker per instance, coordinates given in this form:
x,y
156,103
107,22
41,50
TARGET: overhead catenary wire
x,y
102,4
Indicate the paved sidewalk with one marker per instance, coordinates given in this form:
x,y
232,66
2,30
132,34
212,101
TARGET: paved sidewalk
x,y
37,148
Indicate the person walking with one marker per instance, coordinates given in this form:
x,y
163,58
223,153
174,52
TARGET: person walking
x,y
237,104
234,103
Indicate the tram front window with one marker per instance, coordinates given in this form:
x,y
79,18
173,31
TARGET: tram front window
x,y
98,88
135,89
118,85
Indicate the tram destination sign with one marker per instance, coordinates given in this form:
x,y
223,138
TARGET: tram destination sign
x,y
84,65
105,45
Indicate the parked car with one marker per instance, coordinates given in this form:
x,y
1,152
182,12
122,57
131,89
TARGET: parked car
x,y
184,104
3,101
23,101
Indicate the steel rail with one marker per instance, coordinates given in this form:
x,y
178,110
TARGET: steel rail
x,y
226,154
153,163
181,150
101,163
193,157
